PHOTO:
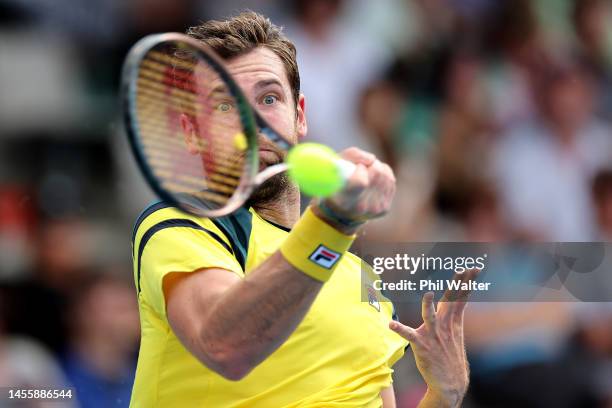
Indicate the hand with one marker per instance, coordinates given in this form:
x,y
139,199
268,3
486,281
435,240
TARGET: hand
x,y
368,192
438,345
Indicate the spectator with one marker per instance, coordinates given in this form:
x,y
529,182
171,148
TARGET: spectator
x,y
26,364
100,359
464,134
591,20
333,56
36,304
544,166
380,109
590,347
516,47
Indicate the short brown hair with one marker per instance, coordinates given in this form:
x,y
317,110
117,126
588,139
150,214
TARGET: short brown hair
x,y
244,32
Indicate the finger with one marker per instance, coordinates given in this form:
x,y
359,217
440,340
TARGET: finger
x,y
451,295
465,290
464,294
359,180
455,301
390,184
387,171
406,332
358,156
378,176
470,275
383,182
428,310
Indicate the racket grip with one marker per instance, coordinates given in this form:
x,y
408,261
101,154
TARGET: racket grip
x,y
346,168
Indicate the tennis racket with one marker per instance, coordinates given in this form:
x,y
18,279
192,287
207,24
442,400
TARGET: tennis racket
x,y
171,79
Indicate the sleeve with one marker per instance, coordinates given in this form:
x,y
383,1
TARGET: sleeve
x,y
397,345
179,248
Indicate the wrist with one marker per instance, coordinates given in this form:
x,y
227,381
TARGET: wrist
x,y
315,247
332,218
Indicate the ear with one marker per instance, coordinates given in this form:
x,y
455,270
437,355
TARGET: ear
x,y
189,134
302,126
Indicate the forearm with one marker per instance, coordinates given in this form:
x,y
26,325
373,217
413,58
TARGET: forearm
x,y
247,321
255,316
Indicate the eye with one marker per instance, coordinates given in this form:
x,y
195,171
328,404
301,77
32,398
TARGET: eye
x,y
224,107
269,99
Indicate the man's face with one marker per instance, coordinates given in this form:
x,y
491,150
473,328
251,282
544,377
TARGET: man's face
x,y
262,77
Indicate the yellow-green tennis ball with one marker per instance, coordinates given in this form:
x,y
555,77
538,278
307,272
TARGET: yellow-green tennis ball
x,y
240,142
313,167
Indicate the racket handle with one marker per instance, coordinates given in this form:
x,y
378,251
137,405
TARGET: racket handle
x,y
346,168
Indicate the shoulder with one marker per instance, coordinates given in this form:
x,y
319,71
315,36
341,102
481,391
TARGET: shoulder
x,y
231,231
161,215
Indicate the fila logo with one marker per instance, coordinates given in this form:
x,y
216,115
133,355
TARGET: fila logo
x,y
372,298
324,257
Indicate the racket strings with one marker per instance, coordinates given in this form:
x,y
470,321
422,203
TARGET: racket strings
x,y
190,130
170,102
161,157
158,139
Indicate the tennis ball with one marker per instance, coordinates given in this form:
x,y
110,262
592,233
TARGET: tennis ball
x,y
314,168
240,141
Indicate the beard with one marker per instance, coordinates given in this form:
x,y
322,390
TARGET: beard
x,y
275,187
270,190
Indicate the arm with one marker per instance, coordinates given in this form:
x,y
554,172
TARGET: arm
x,y
439,348
231,324
388,397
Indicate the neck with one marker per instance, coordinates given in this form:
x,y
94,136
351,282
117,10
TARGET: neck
x,y
284,210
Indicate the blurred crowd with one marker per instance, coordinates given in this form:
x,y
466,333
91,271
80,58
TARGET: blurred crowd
x,y
495,116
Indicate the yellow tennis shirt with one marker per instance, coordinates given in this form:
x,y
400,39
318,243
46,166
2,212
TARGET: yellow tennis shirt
x,y
339,356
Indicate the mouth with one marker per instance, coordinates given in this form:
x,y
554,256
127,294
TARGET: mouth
x,y
268,153
268,157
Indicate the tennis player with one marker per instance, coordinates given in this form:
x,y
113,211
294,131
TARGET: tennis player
x,y
263,308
